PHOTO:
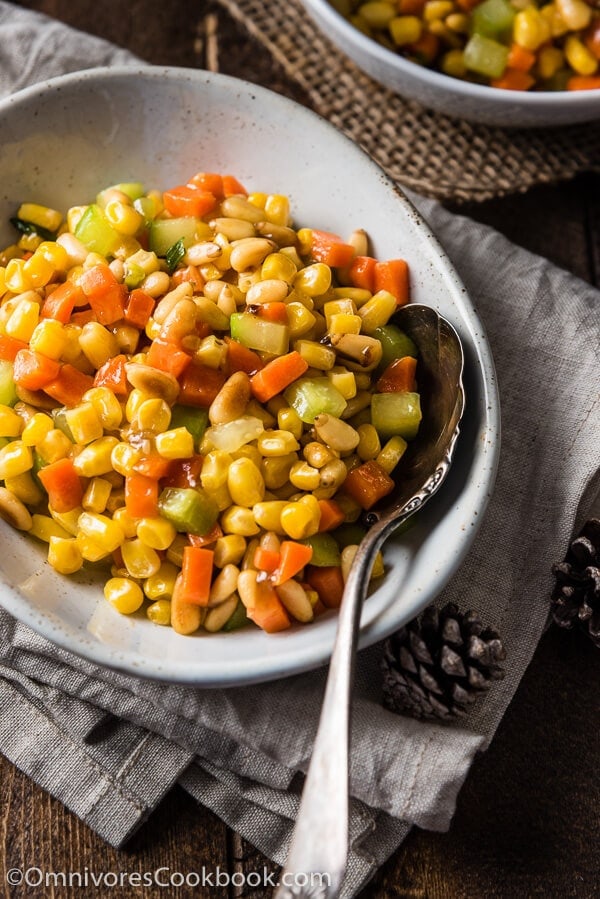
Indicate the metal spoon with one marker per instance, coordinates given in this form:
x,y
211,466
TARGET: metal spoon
x,y
317,857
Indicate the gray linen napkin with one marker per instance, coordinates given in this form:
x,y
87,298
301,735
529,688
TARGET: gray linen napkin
x,y
110,745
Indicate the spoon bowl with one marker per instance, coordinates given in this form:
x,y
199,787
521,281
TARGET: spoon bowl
x,y
319,847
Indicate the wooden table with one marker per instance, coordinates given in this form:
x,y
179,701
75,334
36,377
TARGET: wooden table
x,y
527,822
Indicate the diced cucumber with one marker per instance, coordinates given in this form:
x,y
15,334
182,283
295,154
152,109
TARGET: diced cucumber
x,y
166,232
311,396
96,232
396,413
485,56
194,420
260,334
190,510
394,344
132,189
493,18
326,551
8,393
349,534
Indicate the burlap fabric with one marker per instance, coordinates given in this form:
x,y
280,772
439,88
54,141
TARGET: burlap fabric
x,y
433,154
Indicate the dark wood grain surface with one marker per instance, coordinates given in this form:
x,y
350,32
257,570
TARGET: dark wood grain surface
x,y
527,823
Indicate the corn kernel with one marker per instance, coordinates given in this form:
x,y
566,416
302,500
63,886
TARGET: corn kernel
x,y
550,60
162,583
579,57
64,555
314,279
300,319
304,476
304,241
230,549
267,514
140,560
11,424
245,483
15,458
391,453
25,488
96,495
344,381
123,217
377,311
176,443
49,338
369,445
558,26
55,254
277,209
84,423
44,528
38,269
23,320
300,519
344,323
316,354
98,344
124,595
90,549
102,530
107,406
289,420
54,445
530,28
214,469
453,63
156,533
43,216
153,415
239,520
68,520
14,276
160,612
96,458
275,470
127,524
276,443
405,30
575,13
377,13
278,266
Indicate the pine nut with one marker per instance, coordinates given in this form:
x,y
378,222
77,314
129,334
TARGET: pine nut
x,y
170,300
224,585
294,598
336,433
14,511
249,252
281,234
240,208
156,284
218,616
180,321
233,229
152,381
199,253
364,351
231,401
272,290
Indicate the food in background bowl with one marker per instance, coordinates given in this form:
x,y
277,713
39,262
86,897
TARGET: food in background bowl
x,y
511,44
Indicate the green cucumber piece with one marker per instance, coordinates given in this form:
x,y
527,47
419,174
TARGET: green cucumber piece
x,y
396,413
8,393
166,232
494,19
312,396
326,551
394,344
259,334
96,233
190,510
194,420
132,189
485,56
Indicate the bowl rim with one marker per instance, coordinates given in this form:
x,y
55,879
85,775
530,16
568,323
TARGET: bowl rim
x,y
365,45
309,656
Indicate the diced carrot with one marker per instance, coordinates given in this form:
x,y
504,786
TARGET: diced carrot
x,y
83,316
10,346
188,273
167,357
467,5
332,515
196,575
69,385
199,385
592,38
583,83
331,249
268,611
62,484
60,303
153,466
141,496
399,376
520,58
266,559
232,187
411,7
277,375
206,539
240,358
362,272
367,484
33,371
513,80
425,50
188,201
392,275
208,181
113,375
328,581
139,308
105,294
273,312
184,472
293,557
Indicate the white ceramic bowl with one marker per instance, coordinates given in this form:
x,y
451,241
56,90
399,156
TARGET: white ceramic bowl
x,y
475,102
64,140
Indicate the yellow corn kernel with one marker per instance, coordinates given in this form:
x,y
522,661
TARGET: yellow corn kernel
x,y
127,524
304,476
68,520
277,443
11,424
275,470
14,276
314,279
15,458
221,497
124,595
377,311
96,495
23,320
391,453
96,458
153,415
344,381
43,216
158,533
300,319
575,13
64,555
369,445
301,519
405,30
102,530
530,28
134,401
239,520
267,416
377,13
230,549
84,423
90,549
317,454
98,344
146,260
316,354
453,63
550,60
278,266
557,24
108,408
304,241
248,451
127,338
160,612
44,527
579,57
257,199
267,514
25,488
344,323
457,22
434,10
162,583
245,483
38,269
140,560
289,420
54,445
277,209
214,469
176,443
49,338
55,254
212,351
123,217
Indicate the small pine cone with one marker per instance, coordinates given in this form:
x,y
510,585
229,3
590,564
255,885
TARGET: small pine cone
x,y
575,599
437,665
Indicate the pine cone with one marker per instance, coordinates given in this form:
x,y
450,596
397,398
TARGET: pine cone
x,y
437,665
575,600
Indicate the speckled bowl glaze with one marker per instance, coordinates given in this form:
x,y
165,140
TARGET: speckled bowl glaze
x,y
64,140
475,102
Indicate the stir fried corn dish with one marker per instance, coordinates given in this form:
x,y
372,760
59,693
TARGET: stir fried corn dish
x,y
512,44
200,400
